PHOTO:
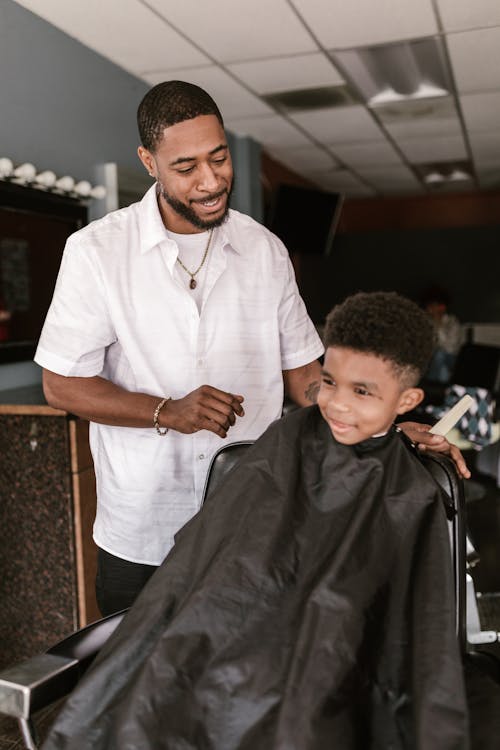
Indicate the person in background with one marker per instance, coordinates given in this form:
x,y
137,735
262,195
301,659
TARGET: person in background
x,y
435,302
175,322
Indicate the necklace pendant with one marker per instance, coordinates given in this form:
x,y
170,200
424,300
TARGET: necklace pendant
x,y
192,284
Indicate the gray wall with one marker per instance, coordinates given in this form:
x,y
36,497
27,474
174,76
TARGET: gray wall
x,y
63,106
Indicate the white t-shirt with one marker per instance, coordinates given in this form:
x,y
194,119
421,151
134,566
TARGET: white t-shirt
x,y
120,311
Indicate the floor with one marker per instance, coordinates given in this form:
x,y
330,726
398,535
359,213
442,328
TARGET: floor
x,y
483,521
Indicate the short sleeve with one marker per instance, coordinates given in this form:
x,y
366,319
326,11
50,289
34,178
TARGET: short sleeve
x,y
77,328
299,340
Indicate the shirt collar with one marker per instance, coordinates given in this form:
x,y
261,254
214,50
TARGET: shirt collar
x,y
152,230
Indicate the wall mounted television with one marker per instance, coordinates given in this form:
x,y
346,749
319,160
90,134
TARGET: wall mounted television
x,y
305,219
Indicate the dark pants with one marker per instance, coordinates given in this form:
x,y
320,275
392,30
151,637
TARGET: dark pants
x,y
118,582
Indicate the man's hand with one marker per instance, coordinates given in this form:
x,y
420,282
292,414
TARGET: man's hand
x,y
206,408
419,434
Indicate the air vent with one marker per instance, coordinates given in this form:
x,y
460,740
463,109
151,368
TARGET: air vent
x,y
301,100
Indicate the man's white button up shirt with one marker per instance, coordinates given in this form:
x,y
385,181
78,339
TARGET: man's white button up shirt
x,y
120,312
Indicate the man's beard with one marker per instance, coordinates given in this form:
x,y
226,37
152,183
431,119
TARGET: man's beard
x,y
186,212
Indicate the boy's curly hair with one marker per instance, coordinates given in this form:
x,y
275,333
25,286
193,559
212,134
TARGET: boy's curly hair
x,y
385,324
167,104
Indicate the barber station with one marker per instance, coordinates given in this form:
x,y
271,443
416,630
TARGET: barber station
x,y
250,375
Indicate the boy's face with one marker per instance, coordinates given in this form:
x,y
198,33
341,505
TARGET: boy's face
x,y
361,395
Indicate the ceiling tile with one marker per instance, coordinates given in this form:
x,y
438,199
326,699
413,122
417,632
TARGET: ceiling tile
x,y
232,99
433,149
485,146
461,186
338,24
306,159
489,177
469,14
133,38
339,125
371,153
424,127
340,180
475,57
389,177
481,111
288,73
249,31
270,131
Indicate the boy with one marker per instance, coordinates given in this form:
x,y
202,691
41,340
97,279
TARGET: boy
x,y
309,605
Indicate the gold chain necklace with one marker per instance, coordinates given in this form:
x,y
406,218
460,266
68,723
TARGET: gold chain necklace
x,y
192,283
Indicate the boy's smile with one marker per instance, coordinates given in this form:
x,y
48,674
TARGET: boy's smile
x,y
361,394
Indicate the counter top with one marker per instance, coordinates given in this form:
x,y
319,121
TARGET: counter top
x,y
27,400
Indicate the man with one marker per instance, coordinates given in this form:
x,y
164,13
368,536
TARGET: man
x,y
167,316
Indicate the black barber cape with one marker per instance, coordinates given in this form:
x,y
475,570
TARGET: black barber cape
x,y
308,606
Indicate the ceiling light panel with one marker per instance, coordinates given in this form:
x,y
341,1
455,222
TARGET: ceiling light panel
x,y
458,15
433,149
288,73
233,100
132,36
235,31
371,154
339,125
391,73
270,131
338,24
475,57
481,111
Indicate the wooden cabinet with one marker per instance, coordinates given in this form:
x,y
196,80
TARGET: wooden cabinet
x,y
47,509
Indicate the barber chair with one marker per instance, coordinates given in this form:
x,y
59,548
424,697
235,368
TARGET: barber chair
x,y
30,686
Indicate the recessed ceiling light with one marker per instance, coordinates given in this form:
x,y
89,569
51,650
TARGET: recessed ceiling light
x,y
402,71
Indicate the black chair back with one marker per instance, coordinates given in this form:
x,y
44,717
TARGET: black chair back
x,y
222,462
444,473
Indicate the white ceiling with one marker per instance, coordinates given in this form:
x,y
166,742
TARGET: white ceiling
x,y
240,50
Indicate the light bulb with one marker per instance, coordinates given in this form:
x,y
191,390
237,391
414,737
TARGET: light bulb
x,y
83,188
25,172
458,174
46,179
6,167
433,177
98,192
66,183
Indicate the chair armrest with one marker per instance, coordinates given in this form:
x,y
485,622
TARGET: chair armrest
x,y
35,683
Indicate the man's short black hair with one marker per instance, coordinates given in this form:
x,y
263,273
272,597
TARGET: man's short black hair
x,y
387,325
167,104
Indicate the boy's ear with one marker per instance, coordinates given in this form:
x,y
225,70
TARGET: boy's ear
x,y
410,398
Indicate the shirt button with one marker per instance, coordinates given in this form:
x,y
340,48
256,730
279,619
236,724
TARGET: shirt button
x,y
201,456
200,363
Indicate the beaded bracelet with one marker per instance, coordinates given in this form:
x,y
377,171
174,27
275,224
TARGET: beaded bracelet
x,y
156,414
